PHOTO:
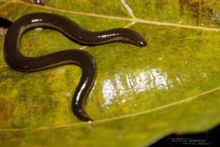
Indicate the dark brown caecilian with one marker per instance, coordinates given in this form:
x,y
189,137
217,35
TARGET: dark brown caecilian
x,y
17,61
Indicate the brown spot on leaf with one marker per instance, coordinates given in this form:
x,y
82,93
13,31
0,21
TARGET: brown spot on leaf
x,y
2,136
5,110
199,9
190,5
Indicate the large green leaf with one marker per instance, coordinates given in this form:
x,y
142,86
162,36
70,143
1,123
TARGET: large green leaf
x,y
141,94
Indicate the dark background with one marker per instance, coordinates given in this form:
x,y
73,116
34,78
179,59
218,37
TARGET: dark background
x,y
209,138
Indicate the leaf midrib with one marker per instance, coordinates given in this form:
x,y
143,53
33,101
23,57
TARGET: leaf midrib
x,y
176,103
132,19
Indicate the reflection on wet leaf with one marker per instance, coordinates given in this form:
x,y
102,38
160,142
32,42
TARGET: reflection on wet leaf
x,y
140,82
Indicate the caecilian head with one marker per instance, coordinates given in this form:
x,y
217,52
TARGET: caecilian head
x,y
133,37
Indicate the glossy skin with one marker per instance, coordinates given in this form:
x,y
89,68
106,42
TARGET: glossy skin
x,y
40,2
17,61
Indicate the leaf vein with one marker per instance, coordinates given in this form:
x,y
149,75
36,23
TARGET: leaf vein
x,y
127,7
189,99
135,20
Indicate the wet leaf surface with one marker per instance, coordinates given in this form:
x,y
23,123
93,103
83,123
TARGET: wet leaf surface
x,y
140,95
